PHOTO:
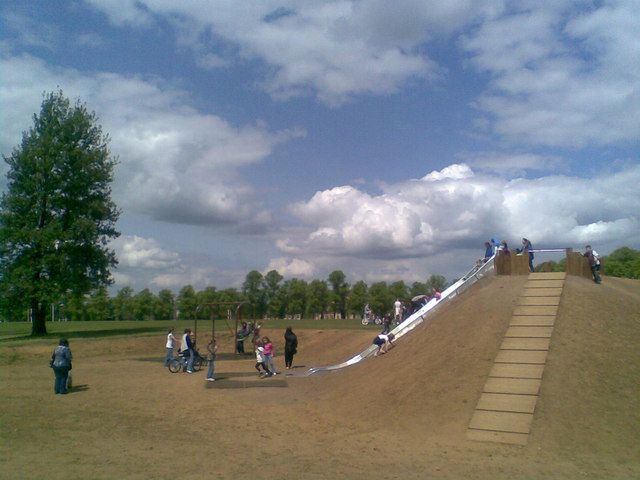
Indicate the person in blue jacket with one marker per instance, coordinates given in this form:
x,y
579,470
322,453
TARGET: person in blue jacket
x,y
61,364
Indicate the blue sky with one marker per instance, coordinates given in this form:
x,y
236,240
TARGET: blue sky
x,y
388,140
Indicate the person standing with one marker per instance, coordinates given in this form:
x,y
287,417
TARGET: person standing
x,y
526,249
268,355
171,342
61,364
397,307
594,263
290,347
212,348
187,349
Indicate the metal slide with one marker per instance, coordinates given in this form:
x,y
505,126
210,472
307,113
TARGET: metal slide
x,y
471,277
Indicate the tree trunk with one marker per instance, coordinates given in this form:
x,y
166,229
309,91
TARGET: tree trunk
x,y
38,319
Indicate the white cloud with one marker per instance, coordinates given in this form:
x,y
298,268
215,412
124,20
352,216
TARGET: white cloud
x,y
292,267
337,49
562,75
176,164
137,252
459,209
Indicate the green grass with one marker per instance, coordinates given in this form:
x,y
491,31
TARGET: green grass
x,y
22,330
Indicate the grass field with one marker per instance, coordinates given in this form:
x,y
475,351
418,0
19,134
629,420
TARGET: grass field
x,y
400,416
22,330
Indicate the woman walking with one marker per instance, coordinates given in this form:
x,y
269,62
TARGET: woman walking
x,y
61,364
290,347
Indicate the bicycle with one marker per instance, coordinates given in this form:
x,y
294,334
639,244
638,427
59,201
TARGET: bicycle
x,y
180,362
371,318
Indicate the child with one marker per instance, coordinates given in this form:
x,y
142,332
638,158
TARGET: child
x,y
268,355
212,348
384,343
260,359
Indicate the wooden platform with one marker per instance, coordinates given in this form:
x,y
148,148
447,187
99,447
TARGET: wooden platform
x,y
505,410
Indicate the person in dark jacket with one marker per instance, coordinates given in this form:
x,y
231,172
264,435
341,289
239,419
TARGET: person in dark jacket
x,y
61,364
290,347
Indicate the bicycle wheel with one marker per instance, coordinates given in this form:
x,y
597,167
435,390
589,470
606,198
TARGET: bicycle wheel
x,y
378,321
175,365
197,364
365,321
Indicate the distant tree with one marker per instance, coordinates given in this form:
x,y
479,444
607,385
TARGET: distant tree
x,y
205,298
144,305
123,304
253,290
296,296
419,288
187,303
436,281
623,262
340,290
165,306
317,297
380,298
399,290
358,298
99,305
57,217
274,295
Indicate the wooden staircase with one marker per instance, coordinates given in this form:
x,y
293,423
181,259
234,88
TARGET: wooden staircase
x,y
505,410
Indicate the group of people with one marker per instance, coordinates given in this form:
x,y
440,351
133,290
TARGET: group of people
x,y
494,247
263,349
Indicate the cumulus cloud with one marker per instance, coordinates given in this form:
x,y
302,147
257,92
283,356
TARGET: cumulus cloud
x,y
336,49
292,267
176,164
456,208
561,75
138,252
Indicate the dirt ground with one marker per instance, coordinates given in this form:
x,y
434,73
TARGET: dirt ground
x,y
399,416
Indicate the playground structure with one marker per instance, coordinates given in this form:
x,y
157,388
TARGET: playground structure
x,y
234,310
501,263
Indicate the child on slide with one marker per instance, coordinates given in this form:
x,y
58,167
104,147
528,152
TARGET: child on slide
x,y
384,343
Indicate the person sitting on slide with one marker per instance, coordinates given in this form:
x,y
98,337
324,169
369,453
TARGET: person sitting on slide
x,y
384,343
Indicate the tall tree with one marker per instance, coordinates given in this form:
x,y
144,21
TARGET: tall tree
x,y
317,297
275,297
165,305
57,217
340,290
187,303
296,296
358,298
254,292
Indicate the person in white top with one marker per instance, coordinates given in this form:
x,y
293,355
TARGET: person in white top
x,y
171,342
594,262
384,343
398,309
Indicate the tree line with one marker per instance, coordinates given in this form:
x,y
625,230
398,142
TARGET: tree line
x,y
268,295
623,262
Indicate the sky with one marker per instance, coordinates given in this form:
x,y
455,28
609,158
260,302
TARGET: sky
x,y
388,140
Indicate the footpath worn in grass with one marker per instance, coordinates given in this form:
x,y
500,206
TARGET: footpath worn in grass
x,y
401,415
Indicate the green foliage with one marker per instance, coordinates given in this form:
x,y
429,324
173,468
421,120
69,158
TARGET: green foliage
x,y
358,298
187,303
340,291
623,262
317,297
57,216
